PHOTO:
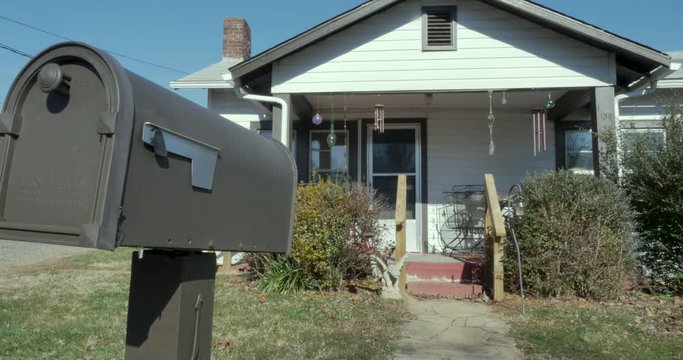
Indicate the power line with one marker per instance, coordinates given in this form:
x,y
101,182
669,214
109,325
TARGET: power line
x,y
16,51
34,28
68,39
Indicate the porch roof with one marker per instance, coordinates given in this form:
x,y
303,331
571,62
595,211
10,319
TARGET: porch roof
x,y
634,60
211,77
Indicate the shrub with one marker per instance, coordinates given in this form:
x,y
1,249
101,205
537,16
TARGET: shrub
x,y
653,178
278,273
328,240
575,237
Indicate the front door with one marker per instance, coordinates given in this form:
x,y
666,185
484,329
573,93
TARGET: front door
x,y
392,153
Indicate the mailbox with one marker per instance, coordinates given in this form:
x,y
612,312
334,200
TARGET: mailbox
x,y
93,155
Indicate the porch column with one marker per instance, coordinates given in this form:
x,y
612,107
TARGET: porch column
x,y
300,113
602,120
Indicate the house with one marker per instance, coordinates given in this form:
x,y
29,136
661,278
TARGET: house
x,y
638,114
641,112
465,87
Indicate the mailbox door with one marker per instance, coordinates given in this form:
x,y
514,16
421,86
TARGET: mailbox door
x,y
56,148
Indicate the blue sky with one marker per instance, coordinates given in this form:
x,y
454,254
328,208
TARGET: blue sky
x,y
187,35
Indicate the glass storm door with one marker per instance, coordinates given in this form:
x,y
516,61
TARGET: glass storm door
x,y
397,152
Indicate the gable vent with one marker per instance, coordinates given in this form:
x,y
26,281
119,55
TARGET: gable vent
x,y
439,28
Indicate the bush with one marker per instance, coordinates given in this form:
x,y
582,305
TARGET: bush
x,y
328,240
653,178
575,237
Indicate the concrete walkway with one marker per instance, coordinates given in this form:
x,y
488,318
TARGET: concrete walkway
x,y
449,329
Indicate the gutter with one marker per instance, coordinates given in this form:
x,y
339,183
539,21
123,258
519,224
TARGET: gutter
x,y
285,121
641,89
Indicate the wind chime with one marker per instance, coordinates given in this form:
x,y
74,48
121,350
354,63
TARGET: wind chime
x,y
539,118
491,119
317,118
379,117
332,137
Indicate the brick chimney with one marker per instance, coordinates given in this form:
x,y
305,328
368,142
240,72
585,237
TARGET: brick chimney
x,y
236,39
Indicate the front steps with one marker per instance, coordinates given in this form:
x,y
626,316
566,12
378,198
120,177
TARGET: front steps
x,y
434,275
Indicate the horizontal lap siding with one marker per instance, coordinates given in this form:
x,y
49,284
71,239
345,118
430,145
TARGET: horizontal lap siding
x,y
457,148
242,112
652,105
494,50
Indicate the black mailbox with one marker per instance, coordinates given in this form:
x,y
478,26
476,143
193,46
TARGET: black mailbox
x,y
94,155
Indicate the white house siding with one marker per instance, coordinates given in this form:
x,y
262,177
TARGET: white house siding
x,y
457,154
495,49
242,112
646,111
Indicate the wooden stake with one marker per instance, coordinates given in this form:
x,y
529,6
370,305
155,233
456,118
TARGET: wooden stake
x,y
401,226
495,231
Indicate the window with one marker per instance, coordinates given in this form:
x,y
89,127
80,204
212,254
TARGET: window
x,y
630,137
438,28
328,161
578,150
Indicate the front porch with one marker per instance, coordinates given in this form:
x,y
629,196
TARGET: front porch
x,y
441,141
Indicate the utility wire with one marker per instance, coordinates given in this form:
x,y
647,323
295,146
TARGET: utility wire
x,y
68,39
16,51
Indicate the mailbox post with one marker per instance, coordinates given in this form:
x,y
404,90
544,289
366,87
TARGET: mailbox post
x,y
93,155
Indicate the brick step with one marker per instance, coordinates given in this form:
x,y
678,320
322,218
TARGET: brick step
x,y
464,272
446,290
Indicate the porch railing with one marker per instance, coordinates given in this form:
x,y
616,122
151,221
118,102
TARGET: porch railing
x,y
495,233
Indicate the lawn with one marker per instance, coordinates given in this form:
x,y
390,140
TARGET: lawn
x,y
639,327
76,309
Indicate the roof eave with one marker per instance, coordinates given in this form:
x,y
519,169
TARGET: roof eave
x,y
544,16
579,29
315,34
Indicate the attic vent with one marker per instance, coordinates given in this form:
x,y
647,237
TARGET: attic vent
x,y
438,28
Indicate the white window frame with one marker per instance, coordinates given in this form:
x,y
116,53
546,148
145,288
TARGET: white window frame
x,y
566,152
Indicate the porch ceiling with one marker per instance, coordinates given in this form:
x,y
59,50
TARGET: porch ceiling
x,y
472,100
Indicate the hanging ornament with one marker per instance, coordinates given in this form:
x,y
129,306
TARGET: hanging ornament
x,y
379,118
317,118
332,137
550,103
539,118
504,101
491,119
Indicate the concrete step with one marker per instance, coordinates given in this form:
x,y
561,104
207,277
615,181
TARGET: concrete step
x,y
449,271
445,289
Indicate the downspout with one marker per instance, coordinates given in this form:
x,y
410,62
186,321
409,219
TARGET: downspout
x,y
634,94
284,123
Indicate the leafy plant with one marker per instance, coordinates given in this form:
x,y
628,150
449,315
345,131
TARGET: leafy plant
x,y
328,241
575,237
653,178
280,274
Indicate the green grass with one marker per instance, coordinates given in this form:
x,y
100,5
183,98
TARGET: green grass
x,y
580,330
76,309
